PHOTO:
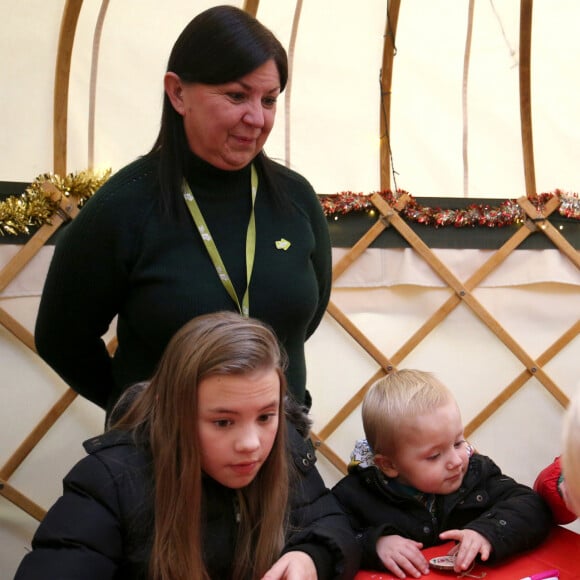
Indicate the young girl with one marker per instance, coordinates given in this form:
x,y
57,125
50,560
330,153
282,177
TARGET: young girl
x,y
192,478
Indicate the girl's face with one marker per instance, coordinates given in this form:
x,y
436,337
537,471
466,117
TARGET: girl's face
x,y
432,455
238,422
227,125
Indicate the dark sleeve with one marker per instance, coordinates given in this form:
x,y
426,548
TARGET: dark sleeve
x,y
354,499
318,525
80,536
80,299
518,519
322,261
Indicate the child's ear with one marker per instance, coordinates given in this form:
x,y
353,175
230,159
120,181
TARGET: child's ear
x,y
386,465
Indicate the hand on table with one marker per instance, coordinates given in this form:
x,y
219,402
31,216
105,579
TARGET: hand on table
x,y
469,545
402,557
292,566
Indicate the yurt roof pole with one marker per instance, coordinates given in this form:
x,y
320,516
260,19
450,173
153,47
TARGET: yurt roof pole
x,y
93,83
251,7
526,96
68,26
389,50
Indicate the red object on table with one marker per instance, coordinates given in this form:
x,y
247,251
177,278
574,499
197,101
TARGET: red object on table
x,y
560,551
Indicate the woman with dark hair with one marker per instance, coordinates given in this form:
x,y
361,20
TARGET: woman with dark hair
x,y
203,222
199,476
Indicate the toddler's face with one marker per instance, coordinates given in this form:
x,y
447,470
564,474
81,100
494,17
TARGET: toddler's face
x,y
433,454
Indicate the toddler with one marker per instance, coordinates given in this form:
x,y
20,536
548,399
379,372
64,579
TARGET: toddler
x,y
416,482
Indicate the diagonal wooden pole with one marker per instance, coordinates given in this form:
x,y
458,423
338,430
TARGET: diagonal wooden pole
x,y
387,364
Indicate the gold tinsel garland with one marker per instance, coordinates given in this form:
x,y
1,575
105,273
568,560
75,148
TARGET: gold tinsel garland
x,y
36,206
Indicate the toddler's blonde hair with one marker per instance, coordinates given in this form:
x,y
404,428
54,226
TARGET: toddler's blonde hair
x,y
401,394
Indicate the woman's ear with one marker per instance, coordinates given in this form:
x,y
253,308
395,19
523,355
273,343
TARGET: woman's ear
x,y
386,465
174,91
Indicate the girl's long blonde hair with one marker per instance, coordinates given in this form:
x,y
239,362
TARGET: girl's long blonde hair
x,y
164,416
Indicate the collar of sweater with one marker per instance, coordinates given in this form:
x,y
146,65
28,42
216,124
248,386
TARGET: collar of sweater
x,y
206,180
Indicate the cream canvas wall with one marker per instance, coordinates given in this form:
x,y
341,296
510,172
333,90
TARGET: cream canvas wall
x,y
332,122
328,130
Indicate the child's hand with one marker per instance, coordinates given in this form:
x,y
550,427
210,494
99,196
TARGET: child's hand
x,y
402,557
292,566
469,545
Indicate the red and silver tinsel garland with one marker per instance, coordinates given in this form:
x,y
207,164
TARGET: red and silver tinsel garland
x,y
506,213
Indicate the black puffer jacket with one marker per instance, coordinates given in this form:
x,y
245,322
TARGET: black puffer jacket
x,y
509,514
100,528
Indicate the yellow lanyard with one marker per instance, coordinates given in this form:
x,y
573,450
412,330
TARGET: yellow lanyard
x,y
213,252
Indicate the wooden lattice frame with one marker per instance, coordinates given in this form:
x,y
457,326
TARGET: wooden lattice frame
x,y
462,292
66,212
68,209
389,217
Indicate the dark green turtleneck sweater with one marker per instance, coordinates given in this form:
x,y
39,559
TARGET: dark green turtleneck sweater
x,y
120,258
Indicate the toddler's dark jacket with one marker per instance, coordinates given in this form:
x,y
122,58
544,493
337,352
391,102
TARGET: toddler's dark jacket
x,y
509,514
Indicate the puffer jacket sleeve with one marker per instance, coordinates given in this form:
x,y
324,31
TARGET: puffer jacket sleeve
x,y
517,518
358,501
317,523
80,536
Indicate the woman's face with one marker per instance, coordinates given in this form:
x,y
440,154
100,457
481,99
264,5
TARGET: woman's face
x,y
238,422
227,125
